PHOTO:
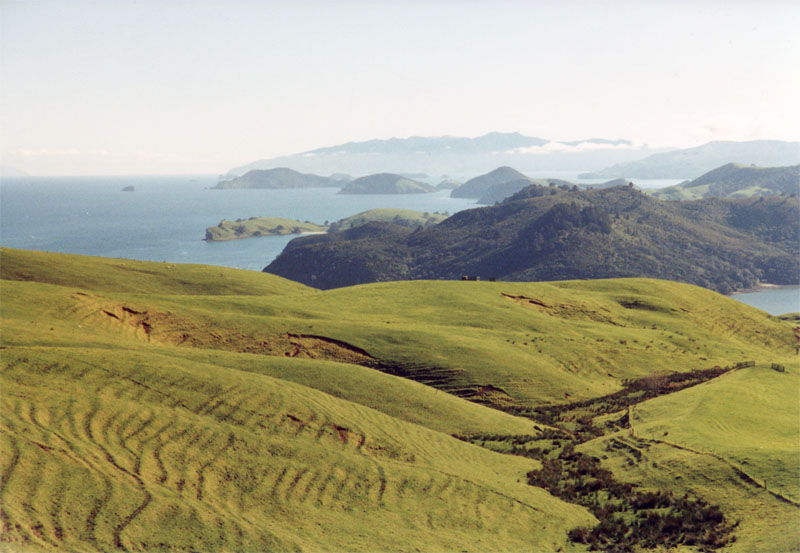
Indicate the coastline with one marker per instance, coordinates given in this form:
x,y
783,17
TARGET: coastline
x,y
241,237
761,286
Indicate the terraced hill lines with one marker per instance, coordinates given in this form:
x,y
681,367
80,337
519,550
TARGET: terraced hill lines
x,y
228,460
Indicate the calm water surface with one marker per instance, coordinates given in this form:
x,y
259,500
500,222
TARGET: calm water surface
x,y
775,301
166,217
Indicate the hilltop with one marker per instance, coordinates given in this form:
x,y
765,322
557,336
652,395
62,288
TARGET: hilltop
x,y
386,183
478,186
402,217
500,192
690,163
280,177
175,407
548,233
736,181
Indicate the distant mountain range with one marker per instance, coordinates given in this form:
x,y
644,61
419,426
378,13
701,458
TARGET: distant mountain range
x,y
690,163
736,181
555,233
457,157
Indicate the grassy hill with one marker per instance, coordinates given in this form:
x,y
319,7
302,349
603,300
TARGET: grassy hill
x,y
149,406
736,181
733,440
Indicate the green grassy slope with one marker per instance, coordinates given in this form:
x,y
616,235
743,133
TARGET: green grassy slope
x,y
227,410
750,418
145,452
582,342
43,315
721,441
538,342
142,277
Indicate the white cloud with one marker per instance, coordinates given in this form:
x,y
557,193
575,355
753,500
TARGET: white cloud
x,y
561,147
739,127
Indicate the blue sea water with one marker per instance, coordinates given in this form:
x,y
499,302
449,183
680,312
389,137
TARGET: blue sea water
x,y
166,217
775,301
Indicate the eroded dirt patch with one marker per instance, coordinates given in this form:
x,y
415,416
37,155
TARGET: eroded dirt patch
x,y
167,328
564,310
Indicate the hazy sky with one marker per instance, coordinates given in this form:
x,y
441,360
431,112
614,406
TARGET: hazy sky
x,y
134,87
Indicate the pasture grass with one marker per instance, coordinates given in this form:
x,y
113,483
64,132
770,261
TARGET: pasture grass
x,y
150,406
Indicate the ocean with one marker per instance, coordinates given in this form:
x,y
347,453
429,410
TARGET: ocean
x,y
165,219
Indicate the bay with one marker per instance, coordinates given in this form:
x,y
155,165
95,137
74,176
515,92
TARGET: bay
x,y
165,218
775,301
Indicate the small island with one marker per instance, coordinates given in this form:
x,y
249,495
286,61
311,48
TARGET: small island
x,y
259,226
278,178
386,183
276,226
129,188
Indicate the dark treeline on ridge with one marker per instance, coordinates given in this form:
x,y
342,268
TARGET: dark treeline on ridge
x,y
556,233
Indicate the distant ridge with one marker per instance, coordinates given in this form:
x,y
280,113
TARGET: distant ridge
x,y
736,181
690,163
458,157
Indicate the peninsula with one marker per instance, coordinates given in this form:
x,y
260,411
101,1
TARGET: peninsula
x,y
259,226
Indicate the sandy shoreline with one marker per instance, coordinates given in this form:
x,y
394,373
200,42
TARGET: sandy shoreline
x,y
762,286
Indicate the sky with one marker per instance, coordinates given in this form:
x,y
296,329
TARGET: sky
x,y
157,87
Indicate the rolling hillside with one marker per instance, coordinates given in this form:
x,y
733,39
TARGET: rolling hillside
x,y
150,406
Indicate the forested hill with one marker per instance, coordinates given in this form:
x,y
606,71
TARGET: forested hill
x,y
546,233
